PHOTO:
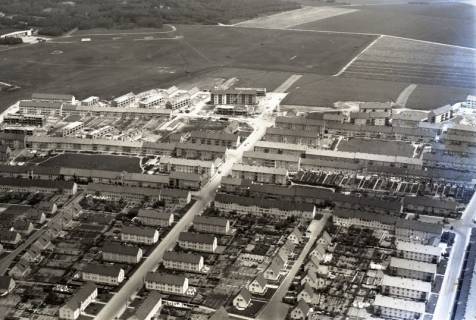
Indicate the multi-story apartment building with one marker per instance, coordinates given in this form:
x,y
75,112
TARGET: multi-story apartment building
x,y
73,308
442,114
211,224
393,308
197,241
418,252
234,96
71,128
166,283
149,308
116,252
124,101
260,174
169,164
412,269
105,274
142,235
406,288
183,261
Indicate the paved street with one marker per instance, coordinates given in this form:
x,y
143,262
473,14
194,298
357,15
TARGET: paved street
x,y
462,228
275,309
118,302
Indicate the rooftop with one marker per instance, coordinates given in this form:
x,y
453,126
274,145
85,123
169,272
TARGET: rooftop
x,y
102,269
413,265
197,237
418,248
121,249
139,231
399,304
165,278
182,257
259,169
80,296
406,283
209,220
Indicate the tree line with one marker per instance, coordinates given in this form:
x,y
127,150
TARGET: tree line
x,y
54,18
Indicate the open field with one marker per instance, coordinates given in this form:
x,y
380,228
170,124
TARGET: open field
x,y
449,23
315,90
111,65
95,162
390,148
396,59
296,17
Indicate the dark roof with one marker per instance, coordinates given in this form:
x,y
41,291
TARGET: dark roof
x,y
201,147
52,96
41,104
7,235
156,214
263,203
174,193
215,221
245,294
197,237
118,248
234,91
139,231
220,314
303,306
182,257
165,278
261,280
81,295
102,269
143,311
185,176
14,182
5,282
419,226
364,215
216,135
430,202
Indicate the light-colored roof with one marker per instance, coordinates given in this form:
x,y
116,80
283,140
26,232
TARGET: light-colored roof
x,y
413,265
80,296
406,283
259,169
139,231
399,304
185,162
270,156
418,248
147,306
124,97
281,146
197,237
362,156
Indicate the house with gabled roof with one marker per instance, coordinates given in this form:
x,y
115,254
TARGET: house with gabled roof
x,y
7,284
242,299
306,293
274,269
301,311
296,236
258,285
73,308
20,270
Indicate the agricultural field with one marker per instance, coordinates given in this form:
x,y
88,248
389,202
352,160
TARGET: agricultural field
x,y
110,65
94,162
396,59
449,23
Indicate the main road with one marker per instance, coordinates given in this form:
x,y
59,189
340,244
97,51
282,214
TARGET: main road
x,y
117,304
462,229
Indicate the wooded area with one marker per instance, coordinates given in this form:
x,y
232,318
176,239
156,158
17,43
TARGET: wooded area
x,y
54,18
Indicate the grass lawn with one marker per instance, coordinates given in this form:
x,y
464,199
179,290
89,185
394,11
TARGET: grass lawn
x,y
96,162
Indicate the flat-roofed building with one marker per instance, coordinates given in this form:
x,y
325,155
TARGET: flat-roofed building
x,y
272,160
281,209
73,308
166,283
149,308
211,224
260,174
234,96
418,252
24,119
280,148
412,269
116,252
197,241
394,308
142,235
183,261
124,100
105,274
406,288
442,114
53,97
156,218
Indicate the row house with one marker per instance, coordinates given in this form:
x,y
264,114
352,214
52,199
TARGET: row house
x,y
142,235
149,309
426,205
188,262
260,174
418,251
417,231
412,269
155,218
210,224
406,288
104,274
36,185
377,118
169,164
166,283
442,114
395,308
291,136
116,252
280,209
187,180
280,148
73,308
158,148
272,160
370,107
215,138
299,123
172,197
133,195
456,162
409,118
197,242
199,151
